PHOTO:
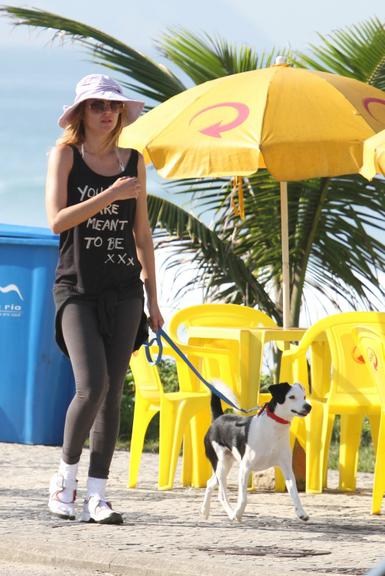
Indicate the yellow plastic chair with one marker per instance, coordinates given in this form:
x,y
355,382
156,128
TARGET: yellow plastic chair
x,y
222,316
226,316
372,348
340,384
184,416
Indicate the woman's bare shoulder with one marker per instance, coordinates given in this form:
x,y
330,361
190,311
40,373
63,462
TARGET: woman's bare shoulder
x,y
62,153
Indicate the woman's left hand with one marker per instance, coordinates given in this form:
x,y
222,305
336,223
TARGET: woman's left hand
x,y
156,318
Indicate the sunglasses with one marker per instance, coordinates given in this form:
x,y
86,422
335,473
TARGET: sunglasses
x,y
99,106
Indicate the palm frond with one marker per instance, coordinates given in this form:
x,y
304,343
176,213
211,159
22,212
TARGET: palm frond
x,y
203,57
217,263
357,51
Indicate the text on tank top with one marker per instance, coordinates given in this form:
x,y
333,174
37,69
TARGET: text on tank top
x,y
100,253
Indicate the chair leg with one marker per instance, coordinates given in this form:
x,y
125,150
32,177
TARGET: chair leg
x,y
186,414
316,431
325,464
143,414
351,427
175,418
279,481
187,466
201,467
379,470
167,432
375,420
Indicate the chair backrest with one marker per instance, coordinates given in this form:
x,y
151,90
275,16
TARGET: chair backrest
x,y
350,380
146,376
222,315
371,346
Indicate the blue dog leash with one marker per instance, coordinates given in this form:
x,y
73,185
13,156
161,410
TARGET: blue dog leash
x,y
158,341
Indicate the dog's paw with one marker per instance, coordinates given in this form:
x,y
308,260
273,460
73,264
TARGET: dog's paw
x,y
231,515
236,515
304,517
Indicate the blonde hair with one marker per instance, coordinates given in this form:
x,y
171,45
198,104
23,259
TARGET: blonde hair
x,y
74,132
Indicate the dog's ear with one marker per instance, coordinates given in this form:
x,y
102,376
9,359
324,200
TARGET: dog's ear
x,y
279,391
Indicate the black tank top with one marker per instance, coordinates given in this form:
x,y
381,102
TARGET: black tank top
x,y
98,262
99,254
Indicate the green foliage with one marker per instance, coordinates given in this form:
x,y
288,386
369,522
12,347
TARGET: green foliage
x,y
220,264
168,375
356,51
203,58
266,381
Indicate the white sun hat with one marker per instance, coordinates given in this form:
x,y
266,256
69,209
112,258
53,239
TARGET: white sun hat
x,y
104,88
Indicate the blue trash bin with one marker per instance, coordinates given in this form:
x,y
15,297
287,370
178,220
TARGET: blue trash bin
x,y
36,380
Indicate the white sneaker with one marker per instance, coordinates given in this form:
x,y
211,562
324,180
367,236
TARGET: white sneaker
x,y
97,510
59,504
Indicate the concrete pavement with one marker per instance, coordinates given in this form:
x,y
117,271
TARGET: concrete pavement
x,y
163,533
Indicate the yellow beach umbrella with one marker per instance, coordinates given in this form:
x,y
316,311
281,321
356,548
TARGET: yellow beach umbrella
x,y
297,123
374,156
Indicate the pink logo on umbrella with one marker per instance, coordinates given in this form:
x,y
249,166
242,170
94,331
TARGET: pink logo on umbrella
x,y
367,101
215,129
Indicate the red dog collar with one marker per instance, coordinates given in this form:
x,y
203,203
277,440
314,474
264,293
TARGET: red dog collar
x,y
270,414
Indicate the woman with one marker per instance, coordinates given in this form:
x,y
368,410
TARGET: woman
x,y
96,201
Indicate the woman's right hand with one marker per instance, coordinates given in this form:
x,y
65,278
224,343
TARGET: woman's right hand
x,y
125,188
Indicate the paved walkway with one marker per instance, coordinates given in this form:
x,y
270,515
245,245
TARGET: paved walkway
x,y
163,533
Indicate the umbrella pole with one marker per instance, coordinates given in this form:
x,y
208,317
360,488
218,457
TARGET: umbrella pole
x,y
285,255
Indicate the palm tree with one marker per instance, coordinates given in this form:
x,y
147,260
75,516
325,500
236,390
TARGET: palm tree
x,y
333,222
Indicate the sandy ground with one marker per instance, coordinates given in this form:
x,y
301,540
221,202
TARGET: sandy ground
x,y
163,532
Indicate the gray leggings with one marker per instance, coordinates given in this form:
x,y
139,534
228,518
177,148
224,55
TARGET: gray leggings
x,y
99,367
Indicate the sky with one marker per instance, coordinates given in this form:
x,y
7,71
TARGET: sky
x,y
261,24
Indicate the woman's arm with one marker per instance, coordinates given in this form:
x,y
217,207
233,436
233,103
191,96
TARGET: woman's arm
x,y
145,249
62,217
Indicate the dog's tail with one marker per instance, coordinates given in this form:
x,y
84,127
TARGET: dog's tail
x,y
226,392
216,406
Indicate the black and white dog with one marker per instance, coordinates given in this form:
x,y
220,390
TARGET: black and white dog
x,y
256,442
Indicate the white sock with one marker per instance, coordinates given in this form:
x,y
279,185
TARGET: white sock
x,y
68,471
96,487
